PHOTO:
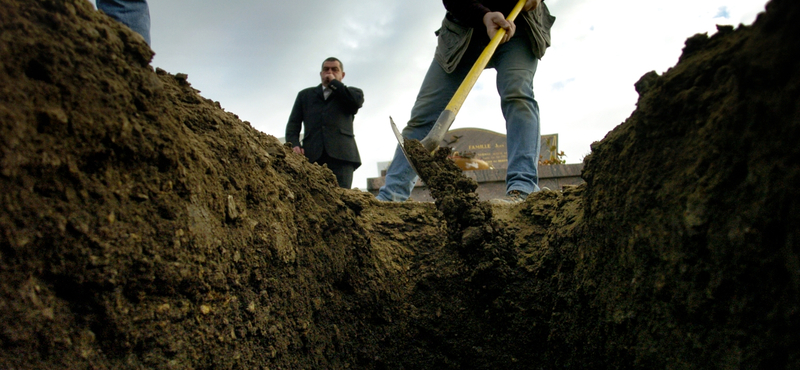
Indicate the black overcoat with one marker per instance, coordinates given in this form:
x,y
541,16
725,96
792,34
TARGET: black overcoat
x,y
327,124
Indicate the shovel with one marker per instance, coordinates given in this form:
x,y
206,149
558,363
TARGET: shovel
x,y
446,118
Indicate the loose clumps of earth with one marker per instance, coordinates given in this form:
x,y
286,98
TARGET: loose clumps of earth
x,y
144,227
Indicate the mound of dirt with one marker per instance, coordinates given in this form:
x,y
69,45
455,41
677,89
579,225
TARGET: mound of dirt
x,y
145,227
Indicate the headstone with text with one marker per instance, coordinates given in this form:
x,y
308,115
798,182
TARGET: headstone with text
x,y
490,146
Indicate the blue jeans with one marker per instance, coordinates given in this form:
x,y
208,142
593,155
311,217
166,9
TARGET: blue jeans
x,y
516,66
133,13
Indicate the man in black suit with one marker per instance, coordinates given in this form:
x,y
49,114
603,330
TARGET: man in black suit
x,y
326,114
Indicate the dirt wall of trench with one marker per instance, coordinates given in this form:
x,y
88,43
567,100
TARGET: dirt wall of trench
x,y
145,227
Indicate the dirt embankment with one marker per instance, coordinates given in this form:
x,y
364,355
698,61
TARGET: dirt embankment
x,y
144,227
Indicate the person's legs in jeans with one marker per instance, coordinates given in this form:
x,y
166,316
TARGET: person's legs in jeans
x,y
516,66
133,13
434,94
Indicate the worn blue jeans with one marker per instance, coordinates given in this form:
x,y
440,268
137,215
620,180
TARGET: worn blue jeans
x,y
515,65
133,13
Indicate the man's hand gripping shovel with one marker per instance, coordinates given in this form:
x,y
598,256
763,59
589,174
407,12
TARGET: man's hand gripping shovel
x,y
446,118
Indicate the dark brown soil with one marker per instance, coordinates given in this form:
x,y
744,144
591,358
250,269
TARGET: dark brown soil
x,y
144,227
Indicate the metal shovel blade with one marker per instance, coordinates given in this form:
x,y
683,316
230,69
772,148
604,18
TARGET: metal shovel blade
x,y
401,141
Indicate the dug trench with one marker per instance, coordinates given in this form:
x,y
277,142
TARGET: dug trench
x,y
142,226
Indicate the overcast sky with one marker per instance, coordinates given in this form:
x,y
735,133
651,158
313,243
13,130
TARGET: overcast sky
x,y
254,56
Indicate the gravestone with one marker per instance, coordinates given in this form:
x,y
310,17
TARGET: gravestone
x,y
490,146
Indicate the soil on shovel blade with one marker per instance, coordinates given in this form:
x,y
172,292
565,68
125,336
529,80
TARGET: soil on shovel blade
x,y
144,227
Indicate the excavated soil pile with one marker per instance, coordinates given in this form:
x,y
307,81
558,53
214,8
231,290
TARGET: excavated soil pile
x,y
142,226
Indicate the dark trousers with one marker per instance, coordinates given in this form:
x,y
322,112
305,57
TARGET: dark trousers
x,y
343,170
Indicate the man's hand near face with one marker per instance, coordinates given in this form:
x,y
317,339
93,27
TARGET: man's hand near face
x,y
331,71
326,79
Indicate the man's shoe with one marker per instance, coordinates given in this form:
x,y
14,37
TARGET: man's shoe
x,y
513,197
